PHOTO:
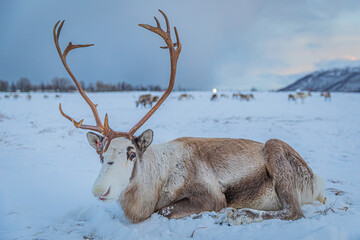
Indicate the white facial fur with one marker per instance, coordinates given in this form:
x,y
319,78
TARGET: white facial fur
x,y
116,170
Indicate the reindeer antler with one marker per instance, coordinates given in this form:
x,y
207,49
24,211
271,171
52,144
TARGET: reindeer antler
x,y
104,129
174,55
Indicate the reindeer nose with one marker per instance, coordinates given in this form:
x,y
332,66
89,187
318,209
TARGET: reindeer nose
x,y
100,194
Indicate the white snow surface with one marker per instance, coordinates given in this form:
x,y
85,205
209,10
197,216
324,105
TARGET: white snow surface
x,y
47,167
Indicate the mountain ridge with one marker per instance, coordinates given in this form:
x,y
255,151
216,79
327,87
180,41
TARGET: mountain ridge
x,y
345,79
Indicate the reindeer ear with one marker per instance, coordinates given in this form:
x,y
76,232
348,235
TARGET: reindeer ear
x,y
144,140
94,139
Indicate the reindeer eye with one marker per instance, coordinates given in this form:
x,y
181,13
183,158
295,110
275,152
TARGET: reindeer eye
x,y
110,163
132,156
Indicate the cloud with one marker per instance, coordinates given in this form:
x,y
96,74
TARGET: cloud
x,y
229,44
345,61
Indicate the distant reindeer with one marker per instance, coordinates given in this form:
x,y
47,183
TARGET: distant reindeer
x,y
57,96
302,95
189,175
16,96
186,96
7,96
326,96
224,95
246,97
46,96
155,99
146,100
28,97
291,97
298,95
236,95
214,97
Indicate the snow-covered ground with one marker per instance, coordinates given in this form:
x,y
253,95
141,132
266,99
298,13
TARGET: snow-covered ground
x,y
47,167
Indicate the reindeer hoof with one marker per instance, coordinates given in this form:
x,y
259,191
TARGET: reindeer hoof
x,y
230,216
239,216
235,218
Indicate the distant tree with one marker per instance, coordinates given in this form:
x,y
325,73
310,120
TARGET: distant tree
x,y
154,88
112,87
23,84
13,87
181,89
71,88
126,87
122,86
140,88
61,84
118,87
107,87
42,87
91,88
83,85
100,86
4,85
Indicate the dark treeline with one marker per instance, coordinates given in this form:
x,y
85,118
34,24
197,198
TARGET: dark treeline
x,y
65,85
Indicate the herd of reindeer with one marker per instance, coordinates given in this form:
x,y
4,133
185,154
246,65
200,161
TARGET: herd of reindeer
x,y
302,95
28,96
147,100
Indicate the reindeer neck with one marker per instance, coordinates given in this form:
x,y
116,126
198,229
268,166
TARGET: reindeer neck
x,y
155,160
150,175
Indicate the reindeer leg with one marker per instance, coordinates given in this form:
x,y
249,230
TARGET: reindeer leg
x,y
192,205
245,215
180,209
285,167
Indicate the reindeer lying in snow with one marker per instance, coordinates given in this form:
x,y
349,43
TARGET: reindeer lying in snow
x,y
190,175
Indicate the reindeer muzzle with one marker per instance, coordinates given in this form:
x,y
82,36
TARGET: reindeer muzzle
x,y
102,196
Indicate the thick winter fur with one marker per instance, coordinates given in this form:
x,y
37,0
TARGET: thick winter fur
x,y
190,175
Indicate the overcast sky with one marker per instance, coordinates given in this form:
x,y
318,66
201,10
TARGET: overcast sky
x,y
226,44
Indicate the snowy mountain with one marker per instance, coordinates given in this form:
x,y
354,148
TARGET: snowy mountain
x,y
334,80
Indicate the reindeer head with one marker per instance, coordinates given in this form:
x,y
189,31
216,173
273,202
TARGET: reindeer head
x,y
119,151
118,163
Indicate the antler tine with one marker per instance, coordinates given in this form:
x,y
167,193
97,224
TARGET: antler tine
x,y
76,124
166,20
174,54
165,35
70,47
177,41
157,23
178,44
99,126
59,29
79,124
